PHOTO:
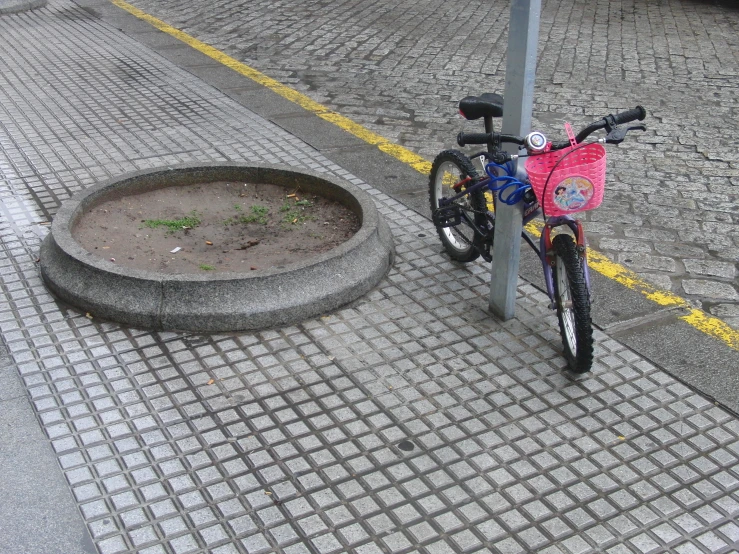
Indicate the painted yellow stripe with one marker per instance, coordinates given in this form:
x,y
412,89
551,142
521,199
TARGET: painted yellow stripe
x,y
697,318
600,263
398,152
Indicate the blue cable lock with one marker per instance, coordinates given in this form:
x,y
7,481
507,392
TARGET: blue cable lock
x,y
508,181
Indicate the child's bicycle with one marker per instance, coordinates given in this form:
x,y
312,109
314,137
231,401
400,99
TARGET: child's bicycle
x,y
558,179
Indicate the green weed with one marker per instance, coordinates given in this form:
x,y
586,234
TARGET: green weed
x,y
295,217
191,220
206,267
258,215
294,214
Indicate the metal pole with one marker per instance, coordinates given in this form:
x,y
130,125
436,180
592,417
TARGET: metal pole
x,y
523,36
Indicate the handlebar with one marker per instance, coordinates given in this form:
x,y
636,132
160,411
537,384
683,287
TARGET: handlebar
x,y
608,123
629,115
463,139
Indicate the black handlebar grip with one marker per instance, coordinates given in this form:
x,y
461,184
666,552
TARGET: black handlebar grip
x,y
472,138
561,145
630,115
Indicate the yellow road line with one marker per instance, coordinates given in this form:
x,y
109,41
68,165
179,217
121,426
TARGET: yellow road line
x,y
697,318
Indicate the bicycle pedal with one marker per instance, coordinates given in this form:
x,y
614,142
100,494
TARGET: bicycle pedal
x,y
447,216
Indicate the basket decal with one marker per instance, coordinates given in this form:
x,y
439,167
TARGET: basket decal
x,y
573,193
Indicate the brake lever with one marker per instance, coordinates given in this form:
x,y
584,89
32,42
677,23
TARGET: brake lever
x,y
618,133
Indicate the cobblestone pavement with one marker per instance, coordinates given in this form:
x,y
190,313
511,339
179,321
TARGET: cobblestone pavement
x,y
409,421
672,208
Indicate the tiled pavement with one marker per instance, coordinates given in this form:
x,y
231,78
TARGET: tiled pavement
x,y
410,421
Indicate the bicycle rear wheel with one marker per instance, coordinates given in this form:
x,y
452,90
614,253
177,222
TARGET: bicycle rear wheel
x,y
573,305
449,168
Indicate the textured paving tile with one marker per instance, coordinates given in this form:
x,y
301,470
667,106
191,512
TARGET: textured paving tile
x,y
409,421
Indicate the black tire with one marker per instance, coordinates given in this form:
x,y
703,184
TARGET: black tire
x,y
450,167
573,305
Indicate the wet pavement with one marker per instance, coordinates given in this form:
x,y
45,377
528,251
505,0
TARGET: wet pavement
x,y
408,421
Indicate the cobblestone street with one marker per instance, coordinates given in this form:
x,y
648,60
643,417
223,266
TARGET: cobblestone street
x,y
671,211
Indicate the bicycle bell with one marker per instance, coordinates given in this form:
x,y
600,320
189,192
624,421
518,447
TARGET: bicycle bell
x,y
535,141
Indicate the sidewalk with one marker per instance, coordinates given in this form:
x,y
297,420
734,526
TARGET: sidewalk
x,y
409,421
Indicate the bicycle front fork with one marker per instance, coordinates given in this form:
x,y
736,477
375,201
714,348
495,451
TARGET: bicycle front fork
x,y
546,252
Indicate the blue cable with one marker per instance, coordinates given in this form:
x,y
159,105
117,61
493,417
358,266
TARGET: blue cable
x,y
508,181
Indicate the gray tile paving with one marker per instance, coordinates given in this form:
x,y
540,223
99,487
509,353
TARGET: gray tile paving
x,y
301,442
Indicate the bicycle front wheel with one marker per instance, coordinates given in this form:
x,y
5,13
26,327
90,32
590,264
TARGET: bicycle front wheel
x,y
573,305
449,168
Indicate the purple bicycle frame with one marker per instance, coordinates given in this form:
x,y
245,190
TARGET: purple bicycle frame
x,y
576,228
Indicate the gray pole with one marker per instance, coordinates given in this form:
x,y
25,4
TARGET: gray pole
x,y
523,37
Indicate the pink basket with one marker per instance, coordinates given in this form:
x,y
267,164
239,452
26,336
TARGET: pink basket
x,y
577,183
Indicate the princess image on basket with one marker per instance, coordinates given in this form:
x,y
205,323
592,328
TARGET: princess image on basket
x,y
573,193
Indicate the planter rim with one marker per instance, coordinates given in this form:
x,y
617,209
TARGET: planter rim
x,y
227,301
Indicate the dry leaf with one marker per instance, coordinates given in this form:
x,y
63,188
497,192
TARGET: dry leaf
x,y
211,381
88,315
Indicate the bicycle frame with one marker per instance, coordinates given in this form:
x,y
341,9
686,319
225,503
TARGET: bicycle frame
x,y
531,210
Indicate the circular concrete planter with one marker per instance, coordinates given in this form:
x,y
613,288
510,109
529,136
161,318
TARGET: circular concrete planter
x,y
225,301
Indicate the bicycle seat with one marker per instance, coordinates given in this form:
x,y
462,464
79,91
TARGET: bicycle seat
x,y
487,104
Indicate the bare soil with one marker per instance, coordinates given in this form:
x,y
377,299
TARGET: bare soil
x,y
214,227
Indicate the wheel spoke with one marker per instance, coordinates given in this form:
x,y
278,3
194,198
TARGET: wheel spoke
x,y
565,303
449,168
573,305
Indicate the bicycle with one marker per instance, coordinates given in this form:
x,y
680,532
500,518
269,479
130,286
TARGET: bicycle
x,y
558,179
